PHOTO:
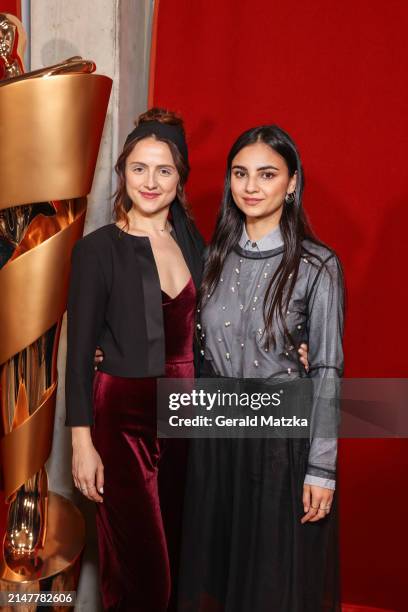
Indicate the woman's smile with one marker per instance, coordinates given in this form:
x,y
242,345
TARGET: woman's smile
x,y
149,196
151,176
252,201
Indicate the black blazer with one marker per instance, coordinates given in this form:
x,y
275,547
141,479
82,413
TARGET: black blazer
x,y
115,302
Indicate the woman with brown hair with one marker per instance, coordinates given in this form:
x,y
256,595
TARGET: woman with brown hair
x,y
133,293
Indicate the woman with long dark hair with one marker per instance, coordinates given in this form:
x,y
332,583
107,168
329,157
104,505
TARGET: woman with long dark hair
x,y
133,293
260,516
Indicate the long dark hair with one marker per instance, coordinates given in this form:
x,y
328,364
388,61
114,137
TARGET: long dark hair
x,y
294,227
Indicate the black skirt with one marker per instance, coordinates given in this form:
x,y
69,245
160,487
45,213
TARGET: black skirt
x,y
244,548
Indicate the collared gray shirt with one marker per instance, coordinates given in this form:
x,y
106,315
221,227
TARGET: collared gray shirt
x,y
233,325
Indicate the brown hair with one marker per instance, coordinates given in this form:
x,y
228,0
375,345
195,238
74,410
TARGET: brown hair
x,y
122,202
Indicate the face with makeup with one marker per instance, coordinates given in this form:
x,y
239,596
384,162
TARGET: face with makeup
x,y
151,176
260,181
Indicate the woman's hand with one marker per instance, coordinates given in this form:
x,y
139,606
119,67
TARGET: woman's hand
x,y
303,352
87,467
317,502
98,358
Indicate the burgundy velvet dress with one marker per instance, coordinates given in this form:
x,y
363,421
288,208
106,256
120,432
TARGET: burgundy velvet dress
x,y
139,521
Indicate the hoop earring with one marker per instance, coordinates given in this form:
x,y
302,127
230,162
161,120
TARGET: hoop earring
x,y
290,197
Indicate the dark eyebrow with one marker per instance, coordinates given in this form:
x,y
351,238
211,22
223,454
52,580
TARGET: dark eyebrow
x,y
258,169
267,168
136,163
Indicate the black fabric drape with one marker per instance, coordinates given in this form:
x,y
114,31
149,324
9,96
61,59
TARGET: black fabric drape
x,y
190,241
244,547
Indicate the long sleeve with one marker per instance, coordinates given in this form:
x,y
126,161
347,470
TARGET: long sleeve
x,y
86,311
325,331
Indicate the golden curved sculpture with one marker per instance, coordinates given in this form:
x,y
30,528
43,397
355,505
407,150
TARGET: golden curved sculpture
x,y
51,124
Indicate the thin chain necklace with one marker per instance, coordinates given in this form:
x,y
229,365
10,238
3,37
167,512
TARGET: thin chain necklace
x,y
166,228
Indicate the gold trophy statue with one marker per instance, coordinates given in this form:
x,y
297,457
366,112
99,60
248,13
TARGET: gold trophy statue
x,y
12,45
51,123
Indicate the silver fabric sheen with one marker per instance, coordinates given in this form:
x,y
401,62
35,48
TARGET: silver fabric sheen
x,y
233,324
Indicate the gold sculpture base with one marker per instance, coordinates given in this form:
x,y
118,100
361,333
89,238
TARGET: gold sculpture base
x,y
57,564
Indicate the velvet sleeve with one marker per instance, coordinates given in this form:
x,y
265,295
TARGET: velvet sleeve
x,y
87,300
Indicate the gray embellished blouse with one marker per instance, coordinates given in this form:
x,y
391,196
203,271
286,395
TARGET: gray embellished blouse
x,y
233,324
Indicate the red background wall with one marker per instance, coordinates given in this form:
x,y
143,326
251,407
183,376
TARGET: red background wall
x,y
11,6
333,74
